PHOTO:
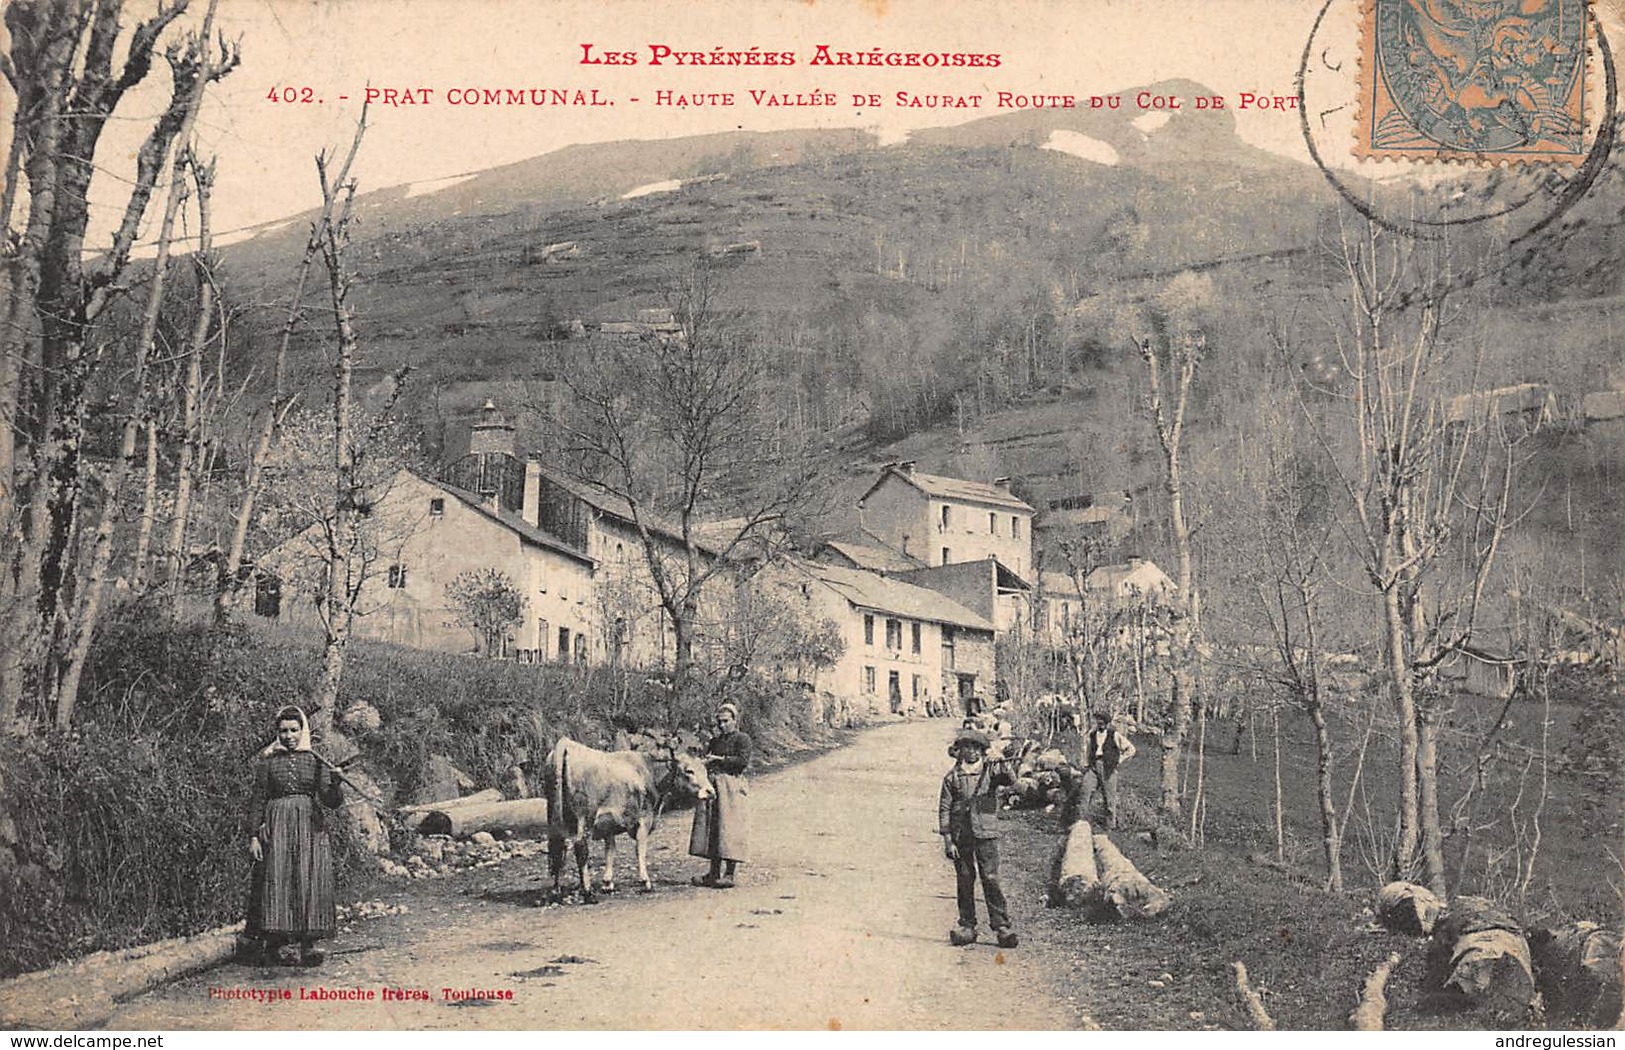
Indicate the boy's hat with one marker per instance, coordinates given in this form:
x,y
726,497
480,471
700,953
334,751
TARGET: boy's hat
x,y
974,737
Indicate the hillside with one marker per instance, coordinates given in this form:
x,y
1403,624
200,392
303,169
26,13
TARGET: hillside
x,y
947,299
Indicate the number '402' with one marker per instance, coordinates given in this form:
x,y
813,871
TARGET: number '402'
x,y
292,94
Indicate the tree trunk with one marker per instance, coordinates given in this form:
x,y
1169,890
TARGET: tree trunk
x,y
1124,892
191,428
1331,841
1077,876
1399,681
1261,1020
1367,1015
1427,778
344,575
1479,954
1406,907
149,511
519,817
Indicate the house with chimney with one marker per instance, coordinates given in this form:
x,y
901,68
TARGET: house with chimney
x,y
572,549
942,521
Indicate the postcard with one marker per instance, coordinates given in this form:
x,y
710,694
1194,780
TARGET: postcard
x,y
1054,515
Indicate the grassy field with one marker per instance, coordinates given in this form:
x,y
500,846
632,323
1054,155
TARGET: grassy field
x,y
1309,949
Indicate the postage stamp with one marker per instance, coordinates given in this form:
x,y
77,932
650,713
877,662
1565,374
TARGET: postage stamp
x,y
1473,80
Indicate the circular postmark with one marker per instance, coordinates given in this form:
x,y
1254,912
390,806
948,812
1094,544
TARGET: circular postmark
x,y
1463,177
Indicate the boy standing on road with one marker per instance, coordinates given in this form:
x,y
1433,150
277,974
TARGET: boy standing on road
x,y
966,820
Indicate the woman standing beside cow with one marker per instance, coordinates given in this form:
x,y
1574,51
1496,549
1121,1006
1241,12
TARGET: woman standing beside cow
x,y
719,833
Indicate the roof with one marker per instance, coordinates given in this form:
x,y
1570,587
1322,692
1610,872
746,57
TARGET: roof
x,y
1604,404
1108,578
868,591
1113,577
1506,400
875,558
763,539
950,488
1058,583
607,502
526,531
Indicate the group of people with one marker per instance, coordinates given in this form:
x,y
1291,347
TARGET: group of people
x,y
969,800
291,899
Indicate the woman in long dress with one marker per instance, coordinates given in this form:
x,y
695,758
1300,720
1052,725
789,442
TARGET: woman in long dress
x,y
719,833
291,899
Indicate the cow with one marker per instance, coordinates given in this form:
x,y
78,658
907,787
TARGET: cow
x,y
594,794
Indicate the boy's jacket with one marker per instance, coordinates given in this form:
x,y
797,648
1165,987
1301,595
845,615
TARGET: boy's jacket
x,y
969,801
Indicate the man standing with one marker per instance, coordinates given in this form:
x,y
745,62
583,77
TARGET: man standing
x,y
1106,749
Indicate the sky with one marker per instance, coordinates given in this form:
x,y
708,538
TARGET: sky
x,y
330,51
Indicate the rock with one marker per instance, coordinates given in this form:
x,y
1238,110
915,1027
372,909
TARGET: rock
x,y
482,838
442,780
362,717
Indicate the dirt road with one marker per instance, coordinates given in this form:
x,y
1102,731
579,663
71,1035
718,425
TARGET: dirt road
x,y
840,920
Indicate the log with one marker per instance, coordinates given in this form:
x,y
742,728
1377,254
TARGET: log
x,y
478,797
1479,955
1123,892
1262,1022
1406,907
1367,1013
519,818
1078,878
1577,968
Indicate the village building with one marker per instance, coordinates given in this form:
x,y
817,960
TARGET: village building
x,y
1063,608
572,549
941,520
907,648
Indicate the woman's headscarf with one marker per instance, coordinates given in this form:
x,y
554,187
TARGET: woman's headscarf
x,y
283,715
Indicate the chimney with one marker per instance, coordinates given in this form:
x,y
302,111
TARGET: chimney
x,y
1002,484
491,433
532,509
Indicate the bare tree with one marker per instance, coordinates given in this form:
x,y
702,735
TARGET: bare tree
x,y
1171,354
65,98
1428,476
1282,544
683,426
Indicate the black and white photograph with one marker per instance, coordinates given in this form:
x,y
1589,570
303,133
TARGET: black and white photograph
x,y
835,516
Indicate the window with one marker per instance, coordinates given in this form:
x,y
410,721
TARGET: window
x,y
618,640
620,554
947,555
868,629
581,648
541,639
947,646
1015,527
944,516
992,524
267,596
918,689
397,576
564,643
916,638
894,634
869,680
437,507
